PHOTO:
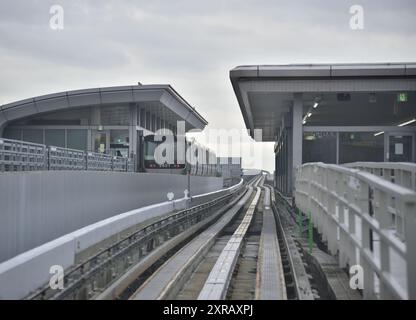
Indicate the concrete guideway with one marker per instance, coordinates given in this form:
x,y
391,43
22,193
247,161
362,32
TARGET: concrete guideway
x,y
216,286
270,277
119,289
164,283
299,278
64,251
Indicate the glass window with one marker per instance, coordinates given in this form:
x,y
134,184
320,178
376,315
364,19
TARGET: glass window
x,y
360,146
12,133
119,142
147,121
400,148
149,152
115,115
77,139
142,118
153,123
55,137
319,147
33,135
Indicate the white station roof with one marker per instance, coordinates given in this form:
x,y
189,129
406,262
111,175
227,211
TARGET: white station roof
x,y
266,92
165,95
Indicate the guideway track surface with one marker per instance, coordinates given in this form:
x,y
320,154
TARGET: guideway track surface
x,y
133,278
297,280
165,282
270,277
92,276
216,286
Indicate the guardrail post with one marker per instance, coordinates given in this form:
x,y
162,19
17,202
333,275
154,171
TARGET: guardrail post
x,y
410,236
310,233
2,156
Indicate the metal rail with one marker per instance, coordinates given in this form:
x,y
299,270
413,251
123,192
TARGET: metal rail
x,y
102,269
367,221
166,281
16,155
216,286
270,275
402,173
296,277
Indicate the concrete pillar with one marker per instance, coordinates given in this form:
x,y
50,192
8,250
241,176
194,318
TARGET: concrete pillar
x,y
132,130
2,127
95,115
296,136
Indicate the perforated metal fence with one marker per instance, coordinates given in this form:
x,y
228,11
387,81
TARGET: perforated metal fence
x,y
66,159
18,155
21,156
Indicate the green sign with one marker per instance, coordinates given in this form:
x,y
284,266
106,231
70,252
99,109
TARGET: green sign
x,y
402,97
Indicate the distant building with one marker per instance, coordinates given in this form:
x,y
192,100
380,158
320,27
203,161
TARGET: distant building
x,y
332,113
230,168
105,120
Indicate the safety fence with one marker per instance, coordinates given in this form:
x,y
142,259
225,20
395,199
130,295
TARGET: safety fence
x,y
18,155
402,173
368,221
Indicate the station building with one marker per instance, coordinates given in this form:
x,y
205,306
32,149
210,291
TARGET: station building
x,y
332,113
106,120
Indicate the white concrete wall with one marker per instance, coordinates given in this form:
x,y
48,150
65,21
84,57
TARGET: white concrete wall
x,y
37,207
28,271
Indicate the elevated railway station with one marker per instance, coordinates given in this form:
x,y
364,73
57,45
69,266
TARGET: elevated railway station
x,y
344,161
331,113
83,194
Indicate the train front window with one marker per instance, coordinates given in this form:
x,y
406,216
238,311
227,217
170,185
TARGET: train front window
x,y
149,152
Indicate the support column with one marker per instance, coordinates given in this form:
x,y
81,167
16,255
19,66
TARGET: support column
x,y
337,148
132,130
296,137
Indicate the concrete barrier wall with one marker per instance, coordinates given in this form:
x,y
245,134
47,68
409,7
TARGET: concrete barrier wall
x,y
29,270
37,207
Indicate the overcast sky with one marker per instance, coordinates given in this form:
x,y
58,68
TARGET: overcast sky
x,y
189,44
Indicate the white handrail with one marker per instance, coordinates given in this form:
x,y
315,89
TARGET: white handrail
x,y
366,220
402,173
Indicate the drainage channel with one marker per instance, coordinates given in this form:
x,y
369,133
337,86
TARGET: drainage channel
x,y
300,284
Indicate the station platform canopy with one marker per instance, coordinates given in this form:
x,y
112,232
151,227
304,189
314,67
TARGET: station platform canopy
x,y
161,100
381,94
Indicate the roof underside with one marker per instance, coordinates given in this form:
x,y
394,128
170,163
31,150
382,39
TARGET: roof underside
x,y
266,94
161,97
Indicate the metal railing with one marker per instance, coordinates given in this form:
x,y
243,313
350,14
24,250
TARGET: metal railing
x,y
65,159
21,156
18,155
368,221
402,173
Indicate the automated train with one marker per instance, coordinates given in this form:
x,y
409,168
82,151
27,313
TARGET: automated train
x,y
187,156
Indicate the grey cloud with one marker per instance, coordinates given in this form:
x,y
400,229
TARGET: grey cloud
x,y
188,43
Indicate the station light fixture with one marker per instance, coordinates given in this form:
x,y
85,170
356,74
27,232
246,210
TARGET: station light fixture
x,y
379,133
315,105
304,121
406,123
309,114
